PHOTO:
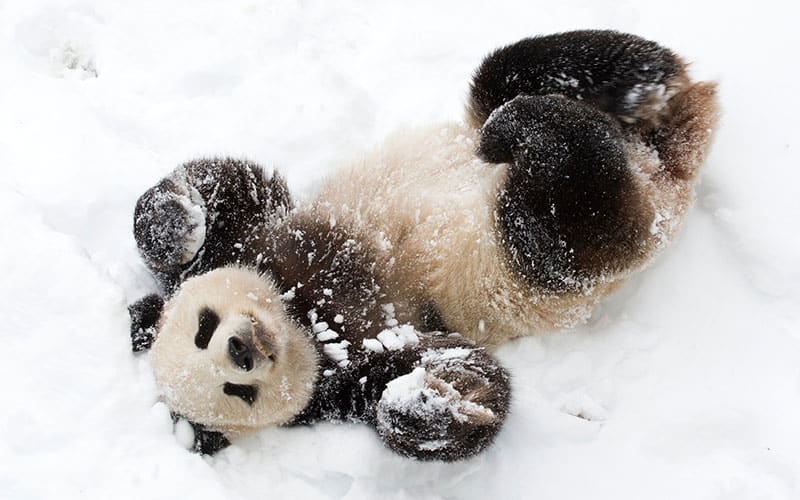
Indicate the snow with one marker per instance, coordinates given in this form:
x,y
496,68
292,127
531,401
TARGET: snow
x,y
327,335
405,388
320,327
686,384
421,393
372,345
391,340
197,221
337,351
411,394
444,354
407,334
184,433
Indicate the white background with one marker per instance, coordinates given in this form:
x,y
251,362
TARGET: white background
x,y
688,380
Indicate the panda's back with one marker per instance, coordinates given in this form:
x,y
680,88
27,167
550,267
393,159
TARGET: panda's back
x,y
428,203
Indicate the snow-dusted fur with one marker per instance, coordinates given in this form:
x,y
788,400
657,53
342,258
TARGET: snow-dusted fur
x,y
193,379
574,168
429,205
305,332
432,207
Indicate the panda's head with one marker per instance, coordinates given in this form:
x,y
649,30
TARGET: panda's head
x,y
228,357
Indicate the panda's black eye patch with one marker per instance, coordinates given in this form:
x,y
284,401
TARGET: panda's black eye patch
x,y
207,323
246,393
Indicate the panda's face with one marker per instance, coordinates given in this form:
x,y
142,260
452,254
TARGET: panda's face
x,y
227,356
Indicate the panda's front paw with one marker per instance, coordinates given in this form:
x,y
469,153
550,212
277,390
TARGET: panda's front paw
x,y
169,226
423,415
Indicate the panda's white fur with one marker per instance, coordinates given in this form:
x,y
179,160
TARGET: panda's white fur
x,y
427,204
191,380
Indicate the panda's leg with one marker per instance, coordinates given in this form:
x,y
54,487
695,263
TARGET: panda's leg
x,y
570,210
684,135
621,74
204,214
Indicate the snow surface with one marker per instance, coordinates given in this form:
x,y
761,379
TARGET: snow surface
x,y
684,385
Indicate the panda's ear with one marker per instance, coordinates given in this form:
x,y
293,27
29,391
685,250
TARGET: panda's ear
x,y
144,317
204,441
208,442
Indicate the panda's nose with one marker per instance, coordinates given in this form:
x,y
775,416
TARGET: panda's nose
x,y
240,353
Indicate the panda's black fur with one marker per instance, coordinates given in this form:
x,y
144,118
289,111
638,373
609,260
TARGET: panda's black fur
x,y
570,210
613,72
590,141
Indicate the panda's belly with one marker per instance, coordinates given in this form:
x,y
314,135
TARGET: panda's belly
x,y
427,203
453,258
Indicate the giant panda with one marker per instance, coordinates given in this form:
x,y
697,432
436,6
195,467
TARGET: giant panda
x,y
380,300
